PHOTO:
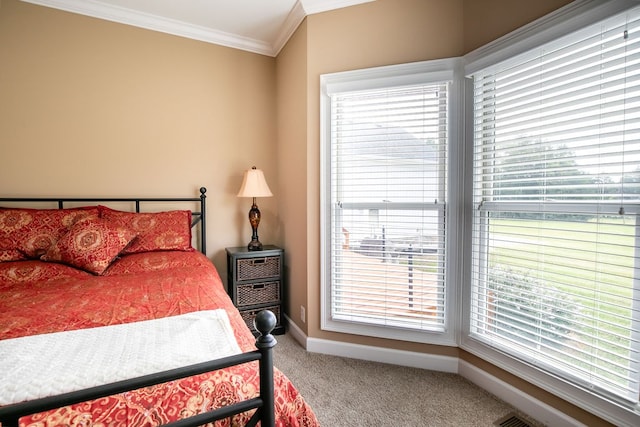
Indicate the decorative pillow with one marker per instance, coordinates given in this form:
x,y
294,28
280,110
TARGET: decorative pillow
x,y
90,245
157,231
34,231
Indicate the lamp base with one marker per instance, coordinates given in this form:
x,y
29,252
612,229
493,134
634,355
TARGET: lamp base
x,y
254,245
254,219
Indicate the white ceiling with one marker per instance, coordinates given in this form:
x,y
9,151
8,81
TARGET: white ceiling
x,y
260,26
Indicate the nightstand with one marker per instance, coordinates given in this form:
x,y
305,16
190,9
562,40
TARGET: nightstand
x,y
255,282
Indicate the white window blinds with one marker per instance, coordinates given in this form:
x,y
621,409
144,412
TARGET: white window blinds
x,y
556,188
388,150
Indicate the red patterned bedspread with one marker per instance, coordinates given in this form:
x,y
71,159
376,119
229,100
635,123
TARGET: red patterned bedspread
x,y
38,297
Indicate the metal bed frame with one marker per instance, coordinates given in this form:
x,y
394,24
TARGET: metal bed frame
x,y
265,321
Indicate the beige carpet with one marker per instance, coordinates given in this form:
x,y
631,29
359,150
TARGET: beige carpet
x,y
348,392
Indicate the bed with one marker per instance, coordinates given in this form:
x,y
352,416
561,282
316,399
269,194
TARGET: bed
x,y
111,316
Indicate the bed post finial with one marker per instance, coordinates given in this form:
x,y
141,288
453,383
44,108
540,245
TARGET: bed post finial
x,y
265,322
202,191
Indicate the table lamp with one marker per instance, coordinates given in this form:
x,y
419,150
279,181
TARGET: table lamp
x,y
254,185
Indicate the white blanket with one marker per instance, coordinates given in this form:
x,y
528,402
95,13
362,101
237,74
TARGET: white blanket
x,y
50,364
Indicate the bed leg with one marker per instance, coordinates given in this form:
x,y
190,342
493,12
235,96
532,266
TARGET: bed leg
x,y
265,321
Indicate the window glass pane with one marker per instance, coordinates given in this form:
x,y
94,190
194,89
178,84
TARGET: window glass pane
x,y
388,186
557,191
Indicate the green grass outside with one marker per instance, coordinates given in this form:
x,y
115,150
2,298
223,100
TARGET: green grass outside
x,y
569,249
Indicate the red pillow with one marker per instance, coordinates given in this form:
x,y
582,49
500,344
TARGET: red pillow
x,y
157,231
34,231
91,245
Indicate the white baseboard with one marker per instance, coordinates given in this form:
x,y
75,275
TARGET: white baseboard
x,y
296,332
525,403
384,355
374,354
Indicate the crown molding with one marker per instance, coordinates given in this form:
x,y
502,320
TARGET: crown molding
x,y
295,17
300,10
122,15
97,9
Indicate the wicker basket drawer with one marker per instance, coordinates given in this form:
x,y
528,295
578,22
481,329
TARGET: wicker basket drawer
x,y
249,315
257,293
257,268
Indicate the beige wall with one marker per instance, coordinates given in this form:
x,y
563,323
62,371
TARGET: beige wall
x,y
90,107
487,20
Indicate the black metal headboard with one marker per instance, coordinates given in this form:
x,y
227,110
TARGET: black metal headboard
x,y
199,217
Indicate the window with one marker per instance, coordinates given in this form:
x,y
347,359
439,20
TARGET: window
x,y
385,188
556,197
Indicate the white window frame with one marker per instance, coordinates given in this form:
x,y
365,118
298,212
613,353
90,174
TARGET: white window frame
x,y
565,21
375,78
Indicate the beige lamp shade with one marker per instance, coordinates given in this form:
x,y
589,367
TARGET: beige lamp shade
x,y
254,184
